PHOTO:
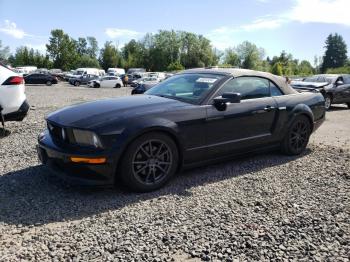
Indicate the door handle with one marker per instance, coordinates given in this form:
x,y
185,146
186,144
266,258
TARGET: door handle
x,y
269,108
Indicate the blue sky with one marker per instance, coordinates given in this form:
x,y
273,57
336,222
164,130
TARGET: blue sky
x,y
297,26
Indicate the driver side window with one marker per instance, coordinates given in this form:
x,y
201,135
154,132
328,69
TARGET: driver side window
x,y
248,87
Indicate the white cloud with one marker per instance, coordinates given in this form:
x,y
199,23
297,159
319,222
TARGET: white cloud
x,y
11,29
222,37
321,11
263,23
118,32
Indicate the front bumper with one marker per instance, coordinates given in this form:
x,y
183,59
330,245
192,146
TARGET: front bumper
x,y
20,114
58,160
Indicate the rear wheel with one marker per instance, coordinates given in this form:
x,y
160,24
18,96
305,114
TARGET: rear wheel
x,y
118,86
149,162
77,83
328,101
96,85
48,83
297,137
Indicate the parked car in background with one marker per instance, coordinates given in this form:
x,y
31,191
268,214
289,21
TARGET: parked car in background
x,y
134,76
159,75
68,75
25,70
41,78
143,80
57,73
106,82
191,119
135,70
13,102
334,88
82,79
116,71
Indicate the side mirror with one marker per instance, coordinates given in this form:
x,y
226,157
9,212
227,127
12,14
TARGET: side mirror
x,y
220,102
339,83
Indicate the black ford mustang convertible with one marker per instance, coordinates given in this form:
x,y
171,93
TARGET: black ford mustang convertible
x,y
195,117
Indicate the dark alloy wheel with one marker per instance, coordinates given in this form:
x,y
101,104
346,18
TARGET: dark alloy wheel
x,y
149,162
96,85
49,83
297,136
117,86
328,102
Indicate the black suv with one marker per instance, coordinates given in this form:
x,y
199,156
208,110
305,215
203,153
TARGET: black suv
x,y
82,80
334,88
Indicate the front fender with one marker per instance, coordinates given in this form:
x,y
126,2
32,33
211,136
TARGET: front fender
x,y
141,126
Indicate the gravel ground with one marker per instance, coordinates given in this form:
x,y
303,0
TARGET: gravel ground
x,y
264,207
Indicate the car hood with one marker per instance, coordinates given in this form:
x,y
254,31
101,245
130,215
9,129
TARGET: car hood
x,y
98,113
308,85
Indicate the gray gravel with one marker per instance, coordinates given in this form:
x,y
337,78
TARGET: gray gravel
x,y
265,207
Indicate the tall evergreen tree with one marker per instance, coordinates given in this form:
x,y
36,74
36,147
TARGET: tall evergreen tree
x,y
336,52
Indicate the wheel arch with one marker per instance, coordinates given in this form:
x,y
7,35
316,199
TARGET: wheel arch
x,y
169,131
302,110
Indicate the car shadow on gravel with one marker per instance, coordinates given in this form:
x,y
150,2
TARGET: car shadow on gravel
x,y
32,196
4,132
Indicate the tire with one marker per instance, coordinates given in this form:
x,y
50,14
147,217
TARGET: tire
x,y
97,85
77,83
328,101
297,137
49,83
142,170
117,86
348,104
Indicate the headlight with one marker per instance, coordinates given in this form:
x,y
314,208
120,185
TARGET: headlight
x,y
87,138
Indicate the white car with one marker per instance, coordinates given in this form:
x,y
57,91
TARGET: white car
x,y
107,81
13,102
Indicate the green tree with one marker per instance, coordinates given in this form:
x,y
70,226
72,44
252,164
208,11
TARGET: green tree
x,y
277,69
87,61
81,45
250,55
4,52
336,52
63,50
133,54
109,56
305,68
175,66
231,57
92,47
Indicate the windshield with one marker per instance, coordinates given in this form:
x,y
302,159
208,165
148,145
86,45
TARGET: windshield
x,y
190,88
331,79
311,79
79,72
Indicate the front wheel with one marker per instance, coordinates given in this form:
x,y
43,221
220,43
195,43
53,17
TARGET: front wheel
x,y
149,162
118,86
328,102
297,137
48,83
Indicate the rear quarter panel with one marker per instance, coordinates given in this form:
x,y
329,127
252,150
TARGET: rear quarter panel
x,y
289,106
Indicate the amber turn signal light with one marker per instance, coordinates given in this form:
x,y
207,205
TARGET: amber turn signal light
x,y
100,160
